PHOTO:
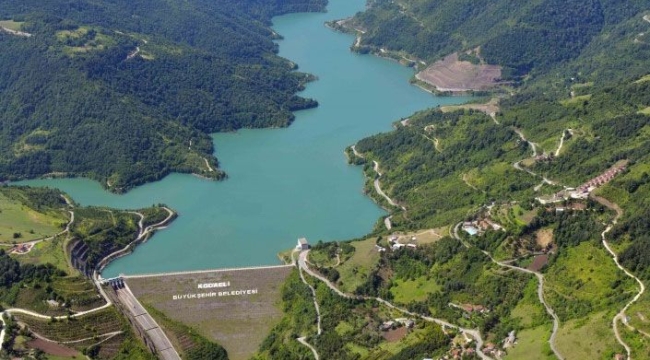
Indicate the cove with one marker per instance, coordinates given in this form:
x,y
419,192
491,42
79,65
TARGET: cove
x,y
283,183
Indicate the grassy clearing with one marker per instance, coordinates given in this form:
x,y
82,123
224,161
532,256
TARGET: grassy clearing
x,y
645,111
529,312
422,237
643,79
48,252
584,279
12,25
588,338
17,218
355,270
532,344
577,100
513,215
413,290
83,39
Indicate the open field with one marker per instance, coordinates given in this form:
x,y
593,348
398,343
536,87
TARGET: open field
x,y
544,237
584,279
588,338
11,25
450,74
29,224
356,269
408,291
48,252
532,344
422,237
237,312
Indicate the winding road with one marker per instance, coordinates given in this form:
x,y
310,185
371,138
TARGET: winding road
x,y
302,339
620,316
540,289
313,349
533,146
475,334
378,187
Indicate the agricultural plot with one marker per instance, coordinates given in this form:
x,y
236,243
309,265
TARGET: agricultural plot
x,y
235,308
86,327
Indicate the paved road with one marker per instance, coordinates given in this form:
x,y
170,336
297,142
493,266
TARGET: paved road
x,y
161,342
302,263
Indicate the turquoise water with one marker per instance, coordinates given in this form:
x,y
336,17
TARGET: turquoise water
x,y
283,183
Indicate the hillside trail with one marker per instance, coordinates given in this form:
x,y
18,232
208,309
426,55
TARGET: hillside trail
x,y
378,187
319,331
4,326
106,337
540,288
475,334
620,316
517,165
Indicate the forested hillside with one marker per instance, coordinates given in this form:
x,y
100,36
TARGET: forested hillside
x,y
126,92
529,37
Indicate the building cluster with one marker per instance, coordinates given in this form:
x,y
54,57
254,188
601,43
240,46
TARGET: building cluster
x,y
480,226
392,324
583,191
395,244
459,353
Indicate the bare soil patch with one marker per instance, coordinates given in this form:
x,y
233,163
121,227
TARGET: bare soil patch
x,y
490,108
450,74
395,334
53,348
538,263
544,237
238,321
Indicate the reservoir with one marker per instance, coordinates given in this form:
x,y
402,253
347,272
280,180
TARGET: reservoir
x,y
283,183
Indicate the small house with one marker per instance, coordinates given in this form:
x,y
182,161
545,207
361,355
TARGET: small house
x,y
302,244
